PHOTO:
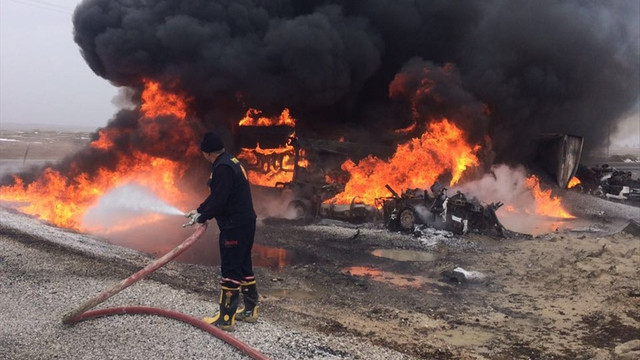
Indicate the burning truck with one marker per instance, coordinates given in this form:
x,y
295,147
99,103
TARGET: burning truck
x,y
279,162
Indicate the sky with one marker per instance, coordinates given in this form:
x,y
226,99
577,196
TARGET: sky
x,y
43,77
45,81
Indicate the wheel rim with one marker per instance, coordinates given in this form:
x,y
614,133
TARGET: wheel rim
x,y
407,219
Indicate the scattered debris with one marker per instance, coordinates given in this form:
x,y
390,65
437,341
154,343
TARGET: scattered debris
x,y
609,183
457,214
461,275
470,275
430,237
589,229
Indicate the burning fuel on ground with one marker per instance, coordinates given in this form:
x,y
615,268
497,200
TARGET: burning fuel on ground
x,y
335,103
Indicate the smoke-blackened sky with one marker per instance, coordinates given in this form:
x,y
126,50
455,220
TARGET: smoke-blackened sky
x,y
539,66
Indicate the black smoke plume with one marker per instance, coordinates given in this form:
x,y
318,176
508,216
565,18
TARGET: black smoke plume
x,y
502,70
537,66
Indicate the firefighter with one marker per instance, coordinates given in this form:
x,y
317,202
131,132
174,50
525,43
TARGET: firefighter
x,y
230,204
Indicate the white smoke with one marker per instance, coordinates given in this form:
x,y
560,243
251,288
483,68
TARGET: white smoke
x,y
274,202
507,185
503,184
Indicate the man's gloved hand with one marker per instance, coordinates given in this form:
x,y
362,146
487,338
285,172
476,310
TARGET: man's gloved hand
x,y
193,216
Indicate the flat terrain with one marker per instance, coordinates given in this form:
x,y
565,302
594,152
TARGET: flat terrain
x,y
570,294
560,296
22,149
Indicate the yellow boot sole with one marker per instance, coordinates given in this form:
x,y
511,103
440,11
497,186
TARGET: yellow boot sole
x,y
250,319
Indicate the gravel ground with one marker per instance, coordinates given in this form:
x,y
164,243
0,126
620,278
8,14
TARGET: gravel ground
x,y
45,272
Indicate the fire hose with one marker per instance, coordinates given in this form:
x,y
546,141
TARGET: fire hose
x,y
81,312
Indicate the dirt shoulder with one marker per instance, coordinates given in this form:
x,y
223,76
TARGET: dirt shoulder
x,y
561,296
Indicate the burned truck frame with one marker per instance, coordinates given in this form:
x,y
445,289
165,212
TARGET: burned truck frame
x,y
273,149
457,213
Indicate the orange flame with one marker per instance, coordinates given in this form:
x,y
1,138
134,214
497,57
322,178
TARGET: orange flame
x,y
267,167
253,118
63,199
409,129
573,182
546,204
510,208
416,164
156,102
105,138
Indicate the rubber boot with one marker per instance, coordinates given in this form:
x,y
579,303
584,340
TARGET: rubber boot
x,y
225,318
249,312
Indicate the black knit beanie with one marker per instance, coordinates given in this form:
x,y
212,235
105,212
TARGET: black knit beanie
x,y
211,143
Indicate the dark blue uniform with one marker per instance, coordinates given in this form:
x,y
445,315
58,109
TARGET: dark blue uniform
x,y
231,204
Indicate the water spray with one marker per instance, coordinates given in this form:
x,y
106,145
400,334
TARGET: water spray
x,y
135,198
126,206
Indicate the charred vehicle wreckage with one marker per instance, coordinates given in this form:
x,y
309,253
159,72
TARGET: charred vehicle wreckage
x,y
609,182
456,213
309,192
560,154
402,212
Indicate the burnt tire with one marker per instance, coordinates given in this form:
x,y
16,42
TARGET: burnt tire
x,y
297,210
406,219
